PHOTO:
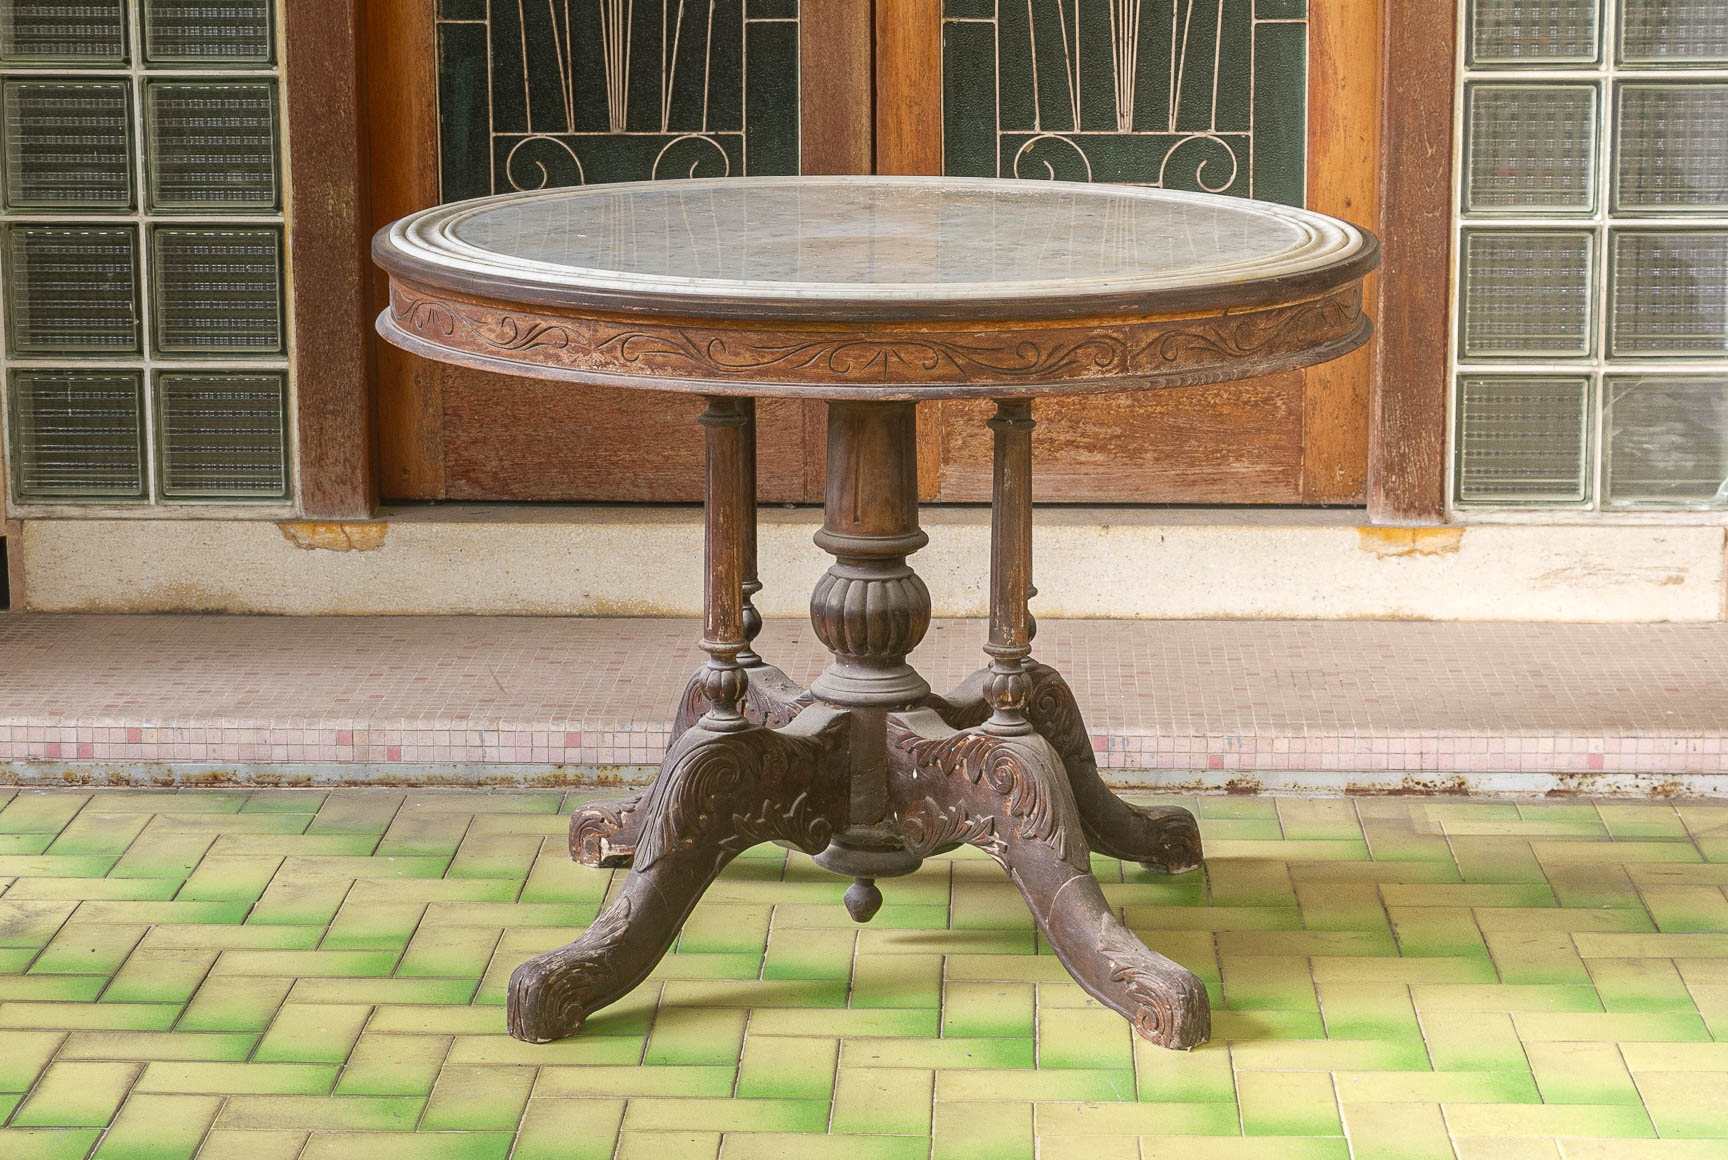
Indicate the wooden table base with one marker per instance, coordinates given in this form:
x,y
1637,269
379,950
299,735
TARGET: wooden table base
x,y
867,770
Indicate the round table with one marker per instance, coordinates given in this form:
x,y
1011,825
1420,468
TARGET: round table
x,y
872,293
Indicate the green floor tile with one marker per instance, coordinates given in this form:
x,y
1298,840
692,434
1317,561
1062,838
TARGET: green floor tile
x,y
90,1016
882,1101
478,1099
312,1033
231,1078
1581,1073
1639,985
97,833
160,975
1091,1037
159,1127
409,1145
235,1003
449,952
1044,1084
1287,1104
805,953
573,1129
787,1067
76,1095
321,1113
897,981
88,948
987,1009
40,812
90,888
372,926
154,1045
237,878
696,1036
393,1065
965,1131
1685,1105
23,1055
46,1143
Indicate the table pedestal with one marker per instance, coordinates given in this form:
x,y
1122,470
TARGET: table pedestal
x,y
867,770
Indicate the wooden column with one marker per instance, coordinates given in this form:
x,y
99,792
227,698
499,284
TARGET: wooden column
x,y
724,680
327,257
1407,441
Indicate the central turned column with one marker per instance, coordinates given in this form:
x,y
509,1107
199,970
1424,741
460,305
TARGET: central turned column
x,y
870,610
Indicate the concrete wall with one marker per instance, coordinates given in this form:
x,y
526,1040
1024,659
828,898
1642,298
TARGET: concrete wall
x,y
1090,562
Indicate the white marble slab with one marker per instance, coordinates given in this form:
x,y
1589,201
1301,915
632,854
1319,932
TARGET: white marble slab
x,y
875,239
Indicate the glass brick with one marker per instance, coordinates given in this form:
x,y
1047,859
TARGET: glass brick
x,y
212,146
1668,293
1671,147
1667,442
1523,440
63,31
1526,294
77,436
231,32
218,291
1673,31
72,290
68,145
1533,31
1530,147
222,436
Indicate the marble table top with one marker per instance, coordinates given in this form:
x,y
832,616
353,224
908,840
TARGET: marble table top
x,y
874,246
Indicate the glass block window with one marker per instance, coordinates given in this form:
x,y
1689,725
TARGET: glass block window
x,y
68,144
1530,147
63,31
77,436
1524,440
222,436
1667,441
143,301
1591,344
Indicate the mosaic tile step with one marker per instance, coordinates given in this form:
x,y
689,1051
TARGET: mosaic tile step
x,y
1253,698
275,974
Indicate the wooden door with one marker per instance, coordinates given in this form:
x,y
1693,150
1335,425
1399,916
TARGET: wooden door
x,y
1269,98
1276,99
469,97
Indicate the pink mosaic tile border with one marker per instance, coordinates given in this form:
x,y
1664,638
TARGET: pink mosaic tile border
x,y
550,743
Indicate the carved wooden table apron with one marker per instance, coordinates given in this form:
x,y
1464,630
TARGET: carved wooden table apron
x,y
871,294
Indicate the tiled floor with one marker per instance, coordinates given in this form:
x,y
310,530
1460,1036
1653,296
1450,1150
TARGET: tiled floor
x,y
293,973
1254,697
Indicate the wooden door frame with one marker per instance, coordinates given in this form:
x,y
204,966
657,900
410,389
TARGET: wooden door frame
x,y
326,219
1407,421
342,79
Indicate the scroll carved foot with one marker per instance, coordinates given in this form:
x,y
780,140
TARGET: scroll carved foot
x,y
1161,838
771,700
717,794
604,834
1009,797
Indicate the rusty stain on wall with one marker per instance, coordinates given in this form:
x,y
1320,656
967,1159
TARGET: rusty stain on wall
x,y
1384,542
365,537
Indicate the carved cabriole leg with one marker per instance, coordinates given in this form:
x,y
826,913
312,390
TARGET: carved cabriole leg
x,y
1008,796
605,833
1165,839
718,793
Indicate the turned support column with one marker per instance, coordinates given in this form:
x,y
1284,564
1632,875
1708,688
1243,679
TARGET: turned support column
x,y
752,584
870,610
729,509
1008,688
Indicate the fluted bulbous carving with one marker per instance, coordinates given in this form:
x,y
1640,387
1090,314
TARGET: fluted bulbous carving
x,y
872,615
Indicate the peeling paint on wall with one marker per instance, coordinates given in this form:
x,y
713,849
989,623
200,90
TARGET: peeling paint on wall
x,y
1384,542
335,537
